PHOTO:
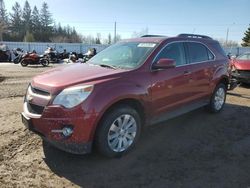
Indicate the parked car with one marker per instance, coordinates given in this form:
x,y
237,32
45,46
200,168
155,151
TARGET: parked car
x,y
131,84
5,53
241,68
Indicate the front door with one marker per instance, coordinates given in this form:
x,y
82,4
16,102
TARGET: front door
x,y
170,87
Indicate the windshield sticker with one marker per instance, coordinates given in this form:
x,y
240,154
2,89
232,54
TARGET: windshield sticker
x,y
146,45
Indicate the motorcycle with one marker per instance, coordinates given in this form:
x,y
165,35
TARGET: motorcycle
x,y
52,54
34,59
18,53
91,53
73,57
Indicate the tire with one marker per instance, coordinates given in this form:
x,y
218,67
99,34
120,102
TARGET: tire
x,y
45,62
218,99
24,63
113,139
16,61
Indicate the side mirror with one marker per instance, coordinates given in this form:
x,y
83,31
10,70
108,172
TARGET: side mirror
x,y
164,63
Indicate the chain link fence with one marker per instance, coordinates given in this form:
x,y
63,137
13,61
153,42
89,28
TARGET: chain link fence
x,y
41,47
82,48
237,50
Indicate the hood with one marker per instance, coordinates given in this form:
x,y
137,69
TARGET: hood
x,y
242,64
68,75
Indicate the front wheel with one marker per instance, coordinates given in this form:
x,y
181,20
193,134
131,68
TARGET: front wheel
x,y
118,131
24,63
44,62
218,98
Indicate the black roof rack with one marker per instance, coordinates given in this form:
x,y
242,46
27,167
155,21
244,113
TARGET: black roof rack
x,y
153,36
185,35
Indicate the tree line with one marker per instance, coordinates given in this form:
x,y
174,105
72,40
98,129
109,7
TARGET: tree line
x,y
34,25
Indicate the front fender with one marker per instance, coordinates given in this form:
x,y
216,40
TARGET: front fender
x,y
106,95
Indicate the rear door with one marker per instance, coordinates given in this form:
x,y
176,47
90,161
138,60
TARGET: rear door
x,y
201,68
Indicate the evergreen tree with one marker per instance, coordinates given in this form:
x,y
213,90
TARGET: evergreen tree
x,y
246,38
35,23
30,25
45,16
26,16
59,29
98,38
16,22
46,22
3,19
3,12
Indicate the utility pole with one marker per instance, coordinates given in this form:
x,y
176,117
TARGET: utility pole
x,y
115,33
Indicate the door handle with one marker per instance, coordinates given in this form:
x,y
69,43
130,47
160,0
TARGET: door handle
x,y
186,73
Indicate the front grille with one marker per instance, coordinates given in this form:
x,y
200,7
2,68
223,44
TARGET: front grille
x,y
35,109
39,91
244,73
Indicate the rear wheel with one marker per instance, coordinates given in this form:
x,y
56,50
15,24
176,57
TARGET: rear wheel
x,y
118,132
24,63
218,98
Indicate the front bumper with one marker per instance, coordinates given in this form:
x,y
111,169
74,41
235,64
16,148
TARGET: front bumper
x,y
75,148
55,118
232,84
242,75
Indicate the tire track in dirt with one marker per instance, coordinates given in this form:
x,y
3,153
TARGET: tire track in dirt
x,y
2,78
22,160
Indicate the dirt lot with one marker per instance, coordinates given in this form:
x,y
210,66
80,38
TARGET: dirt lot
x,y
198,149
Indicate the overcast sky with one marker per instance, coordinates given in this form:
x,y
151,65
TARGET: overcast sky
x,y
166,17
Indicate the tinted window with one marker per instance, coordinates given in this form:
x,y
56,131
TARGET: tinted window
x,y
210,55
198,52
173,51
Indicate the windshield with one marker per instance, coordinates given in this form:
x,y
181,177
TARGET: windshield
x,y
125,55
244,56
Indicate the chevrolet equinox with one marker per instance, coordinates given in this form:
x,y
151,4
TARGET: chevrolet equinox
x,y
133,83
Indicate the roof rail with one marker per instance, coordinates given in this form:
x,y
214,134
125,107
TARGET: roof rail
x,y
185,35
152,36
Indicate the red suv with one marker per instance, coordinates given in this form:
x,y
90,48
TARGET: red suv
x,y
106,101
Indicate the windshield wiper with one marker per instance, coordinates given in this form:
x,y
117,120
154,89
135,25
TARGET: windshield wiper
x,y
108,66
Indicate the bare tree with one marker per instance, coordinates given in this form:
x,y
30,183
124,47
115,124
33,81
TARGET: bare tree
x,y
140,33
229,43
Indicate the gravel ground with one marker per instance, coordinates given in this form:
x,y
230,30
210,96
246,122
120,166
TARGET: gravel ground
x,y
197,149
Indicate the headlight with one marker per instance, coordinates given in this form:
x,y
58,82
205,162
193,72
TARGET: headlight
x,y
73,96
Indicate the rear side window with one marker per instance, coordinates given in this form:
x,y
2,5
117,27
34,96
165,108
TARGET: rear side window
x,y
198,52
173,51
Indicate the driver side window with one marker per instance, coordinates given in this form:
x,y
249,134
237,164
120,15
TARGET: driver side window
x,y
174,51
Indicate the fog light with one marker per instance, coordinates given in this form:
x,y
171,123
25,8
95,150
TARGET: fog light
x,y
67,131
